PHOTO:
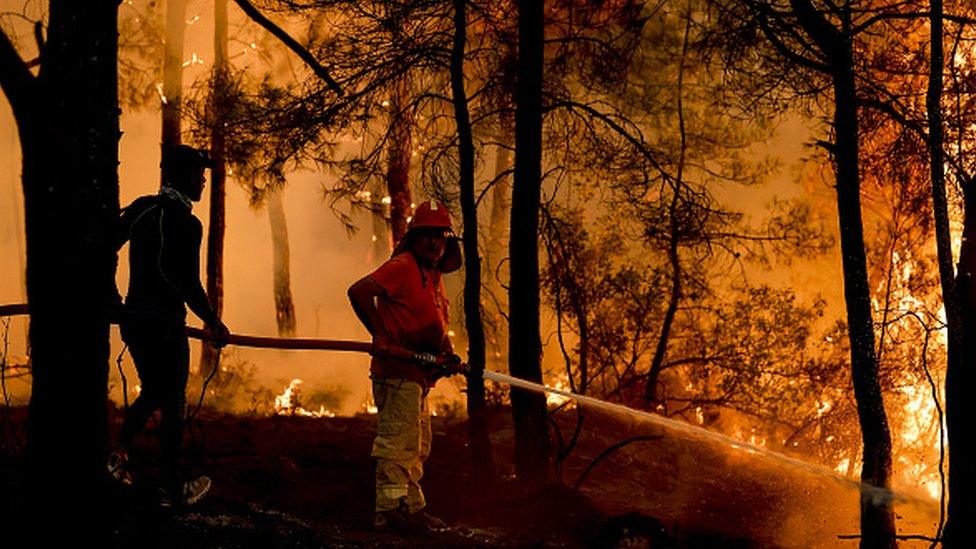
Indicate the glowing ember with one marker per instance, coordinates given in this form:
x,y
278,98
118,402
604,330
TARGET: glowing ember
x,y
369,407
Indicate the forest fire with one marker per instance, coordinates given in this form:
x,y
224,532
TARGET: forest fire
x,y
715,246
288,403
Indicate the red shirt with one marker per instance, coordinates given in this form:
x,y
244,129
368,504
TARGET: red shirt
x,y
413,312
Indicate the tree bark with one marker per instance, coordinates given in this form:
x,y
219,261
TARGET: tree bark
x,y
532,447
284,306
68,121
484,467
959,378
962,478
836,43
218,178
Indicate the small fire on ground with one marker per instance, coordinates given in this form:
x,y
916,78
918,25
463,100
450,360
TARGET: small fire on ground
x,y
289,403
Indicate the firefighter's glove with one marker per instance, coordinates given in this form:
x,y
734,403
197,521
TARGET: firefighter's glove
x,y
440,366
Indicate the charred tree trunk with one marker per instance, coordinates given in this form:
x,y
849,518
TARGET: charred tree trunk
x,y
962,477
68,122
484,467
959,379
877,517
218,178
532,448
173,71
398,157
836,44
284,306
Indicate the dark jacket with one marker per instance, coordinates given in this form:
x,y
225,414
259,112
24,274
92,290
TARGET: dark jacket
x,y
164,258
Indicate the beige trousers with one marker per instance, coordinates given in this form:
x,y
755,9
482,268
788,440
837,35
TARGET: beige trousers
x,y
402,442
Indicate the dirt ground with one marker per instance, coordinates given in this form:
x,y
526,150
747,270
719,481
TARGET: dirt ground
x,y
307,482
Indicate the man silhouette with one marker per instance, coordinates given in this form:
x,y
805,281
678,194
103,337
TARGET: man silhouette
x,y
164,276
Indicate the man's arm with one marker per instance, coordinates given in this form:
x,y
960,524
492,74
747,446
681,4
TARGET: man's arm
x,y
180,265
362,295
120,235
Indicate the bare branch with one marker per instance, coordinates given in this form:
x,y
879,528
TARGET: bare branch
x,y
290,42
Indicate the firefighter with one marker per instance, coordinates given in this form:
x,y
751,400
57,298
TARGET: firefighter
x,y
164,276
402,305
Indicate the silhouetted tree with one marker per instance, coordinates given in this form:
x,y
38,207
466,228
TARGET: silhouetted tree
x,y
532,458
821,40
68,119
217,224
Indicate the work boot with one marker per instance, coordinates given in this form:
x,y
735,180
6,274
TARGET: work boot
x,y
193,491
422,521
393,519
118,466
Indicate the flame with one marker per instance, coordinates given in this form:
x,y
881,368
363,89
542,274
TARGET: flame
x,y
159,90
369,406
193,60
288,403
553,399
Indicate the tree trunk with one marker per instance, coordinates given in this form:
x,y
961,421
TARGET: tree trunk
x,y
532,447
962,480
496,256
68,122
173,71
959,379
218,178
484,467
877,517
398,157
496,266
284,306
652,397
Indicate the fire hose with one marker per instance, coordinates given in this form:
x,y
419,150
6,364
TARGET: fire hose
x,y
451,365
436,365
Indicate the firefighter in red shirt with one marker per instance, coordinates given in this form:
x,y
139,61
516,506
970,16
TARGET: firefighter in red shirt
x,y
403,305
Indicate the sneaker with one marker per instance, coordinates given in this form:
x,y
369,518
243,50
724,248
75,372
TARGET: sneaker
x,y
118,467
193,492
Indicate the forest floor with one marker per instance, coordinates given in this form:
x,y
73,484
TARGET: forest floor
x,y
283,482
